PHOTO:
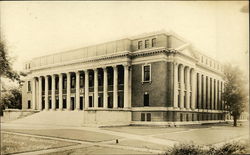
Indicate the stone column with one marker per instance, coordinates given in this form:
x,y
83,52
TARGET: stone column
x,y
204,92
216,107
126,83
53,92
208,93
175,85
34,93
77,90
40,93
95,88
130,87
194,85
199,85
212,95
60,88
115,89
182,87
105,88
86,89
46,93
219,96
68,90
188,89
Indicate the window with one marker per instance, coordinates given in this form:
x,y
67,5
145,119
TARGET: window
x,y
90,101
142,116
57,103
100,104
146,99
146,73
29,104
81,81
148,117
73,83
181,117
146,43
153,42
29,86
64,82
81,103
139,45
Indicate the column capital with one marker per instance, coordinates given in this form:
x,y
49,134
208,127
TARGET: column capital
x,y
104,68
114,66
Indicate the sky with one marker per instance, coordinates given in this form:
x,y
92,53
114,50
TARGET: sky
x,y
32,29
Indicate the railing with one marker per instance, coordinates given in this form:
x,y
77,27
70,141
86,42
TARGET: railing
x,y
49,92
179,85
43,92
121,87
57,91
91,89
72,90
64,91
81,90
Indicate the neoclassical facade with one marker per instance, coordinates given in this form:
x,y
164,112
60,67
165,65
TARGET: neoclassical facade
x,y
154,77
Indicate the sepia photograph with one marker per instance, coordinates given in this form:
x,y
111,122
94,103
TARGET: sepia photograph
x,y
124,77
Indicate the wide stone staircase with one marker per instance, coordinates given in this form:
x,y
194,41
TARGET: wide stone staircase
x,y
61,118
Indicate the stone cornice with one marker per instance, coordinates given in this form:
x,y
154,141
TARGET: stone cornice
x,y
86,60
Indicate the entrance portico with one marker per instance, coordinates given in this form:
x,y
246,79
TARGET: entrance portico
x,y
84,89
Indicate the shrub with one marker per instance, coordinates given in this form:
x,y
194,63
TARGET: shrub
x,y
193,149
186,149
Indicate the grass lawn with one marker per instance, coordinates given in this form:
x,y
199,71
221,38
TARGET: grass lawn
x,y
145,130
83,135
97,150
207,136
11,143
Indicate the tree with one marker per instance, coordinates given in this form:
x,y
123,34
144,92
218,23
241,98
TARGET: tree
x,y
6,66
11,99
235,94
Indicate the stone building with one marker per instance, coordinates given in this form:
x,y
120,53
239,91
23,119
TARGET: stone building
x,y
154,77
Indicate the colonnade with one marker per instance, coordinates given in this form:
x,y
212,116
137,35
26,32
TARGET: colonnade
x,y
60,92
184,86
193,90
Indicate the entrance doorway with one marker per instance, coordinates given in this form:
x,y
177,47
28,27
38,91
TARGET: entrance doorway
x,y
72,102
81,103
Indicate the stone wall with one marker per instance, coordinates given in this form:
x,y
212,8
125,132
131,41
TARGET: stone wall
x,y
14,114
157,88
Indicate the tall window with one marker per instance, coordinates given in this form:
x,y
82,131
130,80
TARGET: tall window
x,y
139,44
64,82
81,81
146,99
197,91
153,42
73,82
146,43
146,73
29,86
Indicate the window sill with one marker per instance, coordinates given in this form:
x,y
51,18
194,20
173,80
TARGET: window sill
x,y
146,82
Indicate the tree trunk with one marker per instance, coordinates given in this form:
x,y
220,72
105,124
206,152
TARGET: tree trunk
x,y
235,120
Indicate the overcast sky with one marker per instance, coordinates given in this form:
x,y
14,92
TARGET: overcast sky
x,y
32,29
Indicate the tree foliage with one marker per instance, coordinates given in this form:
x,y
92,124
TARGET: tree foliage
x,y
235,93
11,99
6,66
